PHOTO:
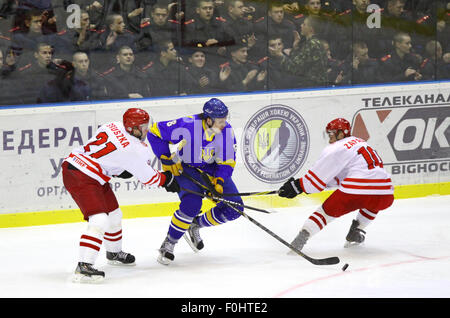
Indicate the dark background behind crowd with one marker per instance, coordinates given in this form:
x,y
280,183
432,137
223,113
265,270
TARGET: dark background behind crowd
x,y
69,50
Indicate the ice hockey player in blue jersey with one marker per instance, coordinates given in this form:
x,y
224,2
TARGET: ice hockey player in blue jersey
x,y
205,141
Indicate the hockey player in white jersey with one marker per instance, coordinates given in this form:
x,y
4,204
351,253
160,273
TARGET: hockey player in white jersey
x,y
363,184
117,149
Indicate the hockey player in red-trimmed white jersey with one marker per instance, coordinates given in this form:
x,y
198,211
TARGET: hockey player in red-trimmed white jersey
x,y
117,149
363,184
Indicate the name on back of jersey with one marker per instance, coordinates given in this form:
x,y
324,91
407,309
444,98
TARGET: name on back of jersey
x,y
119,135
353,142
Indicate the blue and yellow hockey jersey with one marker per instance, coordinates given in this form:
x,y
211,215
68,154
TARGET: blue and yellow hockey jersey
x,y
214,153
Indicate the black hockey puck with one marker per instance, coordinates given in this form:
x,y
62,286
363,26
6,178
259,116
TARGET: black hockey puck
x,y
344,267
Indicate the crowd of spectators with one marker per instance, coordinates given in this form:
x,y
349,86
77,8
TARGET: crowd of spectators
x,y
69,50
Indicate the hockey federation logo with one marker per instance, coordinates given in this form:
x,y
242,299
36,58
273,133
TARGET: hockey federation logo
x,y
275,143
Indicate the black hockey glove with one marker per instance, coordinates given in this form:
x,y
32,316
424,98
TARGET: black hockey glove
x,y
171,184
290,189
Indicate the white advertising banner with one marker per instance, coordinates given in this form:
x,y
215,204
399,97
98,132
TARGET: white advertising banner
x,y
279,135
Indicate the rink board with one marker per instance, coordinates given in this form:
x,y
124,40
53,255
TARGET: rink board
x,y
279,134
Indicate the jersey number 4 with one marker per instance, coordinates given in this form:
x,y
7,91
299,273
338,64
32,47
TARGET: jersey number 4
x,y
102,138
372,158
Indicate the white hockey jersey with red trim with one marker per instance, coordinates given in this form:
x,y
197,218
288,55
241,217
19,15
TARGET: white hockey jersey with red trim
x,y
112,151
351,164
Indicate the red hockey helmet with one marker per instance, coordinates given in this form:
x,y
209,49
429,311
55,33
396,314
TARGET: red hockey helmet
x,y
135,117
339,124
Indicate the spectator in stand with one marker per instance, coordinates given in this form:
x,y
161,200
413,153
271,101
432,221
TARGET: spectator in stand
x,y
394,19
239,75
360,68
96,10
434,66
69,41
65,87
315,8
201,79
155,31
125,80
335,68
275,25
400,65
111,40
166,72
205,31
24,40
443,26
45,9
83,72
29,79
308,62
237,24
352,25
5,99
277,78
132,12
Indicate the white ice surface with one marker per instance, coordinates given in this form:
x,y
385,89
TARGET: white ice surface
x,y
406,254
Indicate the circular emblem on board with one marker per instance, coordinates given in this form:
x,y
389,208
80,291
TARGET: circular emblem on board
x,y
275,143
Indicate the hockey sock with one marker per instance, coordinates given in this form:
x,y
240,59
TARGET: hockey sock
x,y
91,239
317,221
210,218
113,234
179,225
365,217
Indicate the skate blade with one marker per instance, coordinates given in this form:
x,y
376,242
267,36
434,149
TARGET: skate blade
x,y
119,263
191,244
83,279
352,244
164,260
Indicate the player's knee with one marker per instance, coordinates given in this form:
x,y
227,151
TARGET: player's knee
x,y
191,204
97,224
115,218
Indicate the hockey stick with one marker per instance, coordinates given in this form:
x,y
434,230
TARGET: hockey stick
x,y
246,194
215,198
315,261
241,194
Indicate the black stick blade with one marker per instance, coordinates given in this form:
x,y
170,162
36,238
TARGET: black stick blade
x,y
325,261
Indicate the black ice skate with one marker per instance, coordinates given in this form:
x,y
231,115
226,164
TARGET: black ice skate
x,y
85,273
299,241
355,235
166,255
193,238
120,258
